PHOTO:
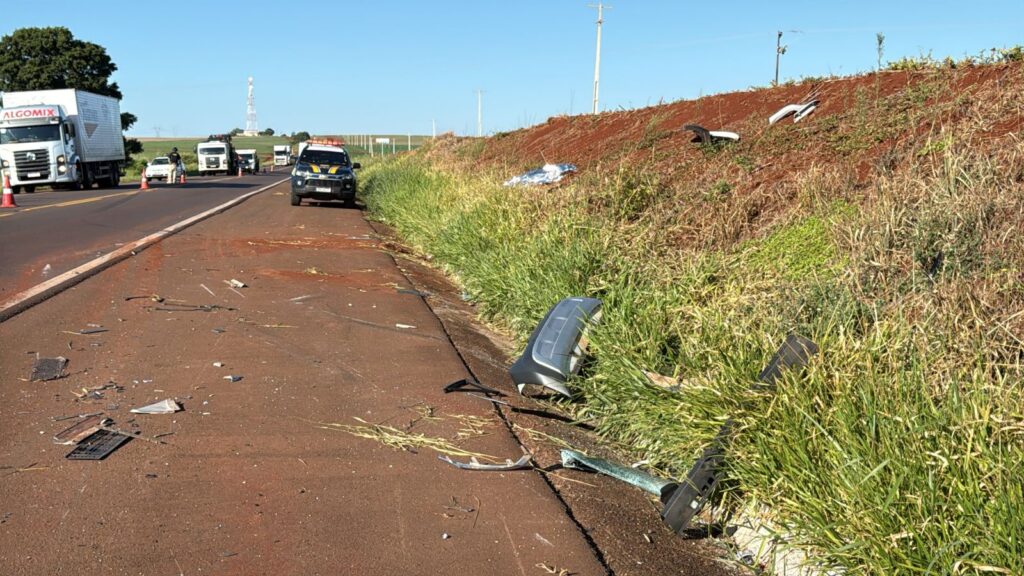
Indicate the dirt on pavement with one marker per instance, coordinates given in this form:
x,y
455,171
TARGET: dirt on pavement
x,y
284,471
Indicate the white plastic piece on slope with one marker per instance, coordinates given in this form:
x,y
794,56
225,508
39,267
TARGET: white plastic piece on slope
x,y
784,111
722,134
806,111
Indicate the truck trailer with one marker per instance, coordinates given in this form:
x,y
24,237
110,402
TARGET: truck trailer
x,y
62,138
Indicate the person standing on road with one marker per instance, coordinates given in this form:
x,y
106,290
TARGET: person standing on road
x,y
175,159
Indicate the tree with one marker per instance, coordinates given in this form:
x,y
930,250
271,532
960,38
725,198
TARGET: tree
x,y
300,137
52,58
267,132
235,131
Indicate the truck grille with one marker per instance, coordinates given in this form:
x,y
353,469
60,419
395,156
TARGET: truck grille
x,y
31,162
213,162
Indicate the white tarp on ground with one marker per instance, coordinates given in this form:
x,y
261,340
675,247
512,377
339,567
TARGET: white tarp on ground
x,y
547,174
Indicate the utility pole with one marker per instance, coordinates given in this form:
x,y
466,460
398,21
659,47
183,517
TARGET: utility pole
x,y
433,129
779,51
479,113
597,60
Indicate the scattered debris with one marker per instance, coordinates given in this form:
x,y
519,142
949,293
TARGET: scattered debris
x,y
154,297
469,385
232,378
445,536
300,298
400,439
85,331
642,480
799,111
167,406
522,464
705,136
203,286
218,364
277,326
314,271
404,326
235,283
193,308
218,330
553,569
557,345
98,445
413,292
46,369
547,174
542,539
132,434
62,418
80,430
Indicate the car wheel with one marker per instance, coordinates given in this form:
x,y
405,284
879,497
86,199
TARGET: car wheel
x,y
296,199
350,202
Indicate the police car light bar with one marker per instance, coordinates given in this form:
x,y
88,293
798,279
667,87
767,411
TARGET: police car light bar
x,y
327,141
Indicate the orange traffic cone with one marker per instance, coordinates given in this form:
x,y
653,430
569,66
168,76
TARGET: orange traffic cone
x,y
239,171
182,176
144,185
8,201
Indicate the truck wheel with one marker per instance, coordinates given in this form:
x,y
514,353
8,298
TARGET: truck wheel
x,y
296,199
115,178
29,189
79,182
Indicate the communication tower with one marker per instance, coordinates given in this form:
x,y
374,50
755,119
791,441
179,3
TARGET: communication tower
x,y
251,126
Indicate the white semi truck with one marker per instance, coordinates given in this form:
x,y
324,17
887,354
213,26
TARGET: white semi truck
x,y
62,138
282,155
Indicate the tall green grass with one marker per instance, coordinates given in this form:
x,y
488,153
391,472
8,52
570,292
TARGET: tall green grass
x,y
900,449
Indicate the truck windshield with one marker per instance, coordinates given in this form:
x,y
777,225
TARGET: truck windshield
x,y
217,150
281,152
20,134
245,156
324,157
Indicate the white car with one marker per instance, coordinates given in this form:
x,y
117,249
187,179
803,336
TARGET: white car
x,y
160,168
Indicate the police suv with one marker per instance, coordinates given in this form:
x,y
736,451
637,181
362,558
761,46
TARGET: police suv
x,y
324,171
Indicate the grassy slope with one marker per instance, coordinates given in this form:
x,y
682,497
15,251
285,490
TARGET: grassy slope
x,y
899,450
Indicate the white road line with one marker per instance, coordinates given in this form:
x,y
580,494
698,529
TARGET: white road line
x,y
40,292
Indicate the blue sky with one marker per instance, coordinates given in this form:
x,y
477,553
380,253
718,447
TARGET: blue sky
x,y
396,66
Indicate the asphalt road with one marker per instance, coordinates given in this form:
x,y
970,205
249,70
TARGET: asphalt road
x,y
54,231
315,458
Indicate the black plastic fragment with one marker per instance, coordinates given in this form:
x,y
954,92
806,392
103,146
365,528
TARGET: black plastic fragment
x,y
48,368
467,385
700,133
413,292
98,446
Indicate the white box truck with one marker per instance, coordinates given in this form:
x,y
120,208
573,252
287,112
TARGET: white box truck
x,y
69,138
282,155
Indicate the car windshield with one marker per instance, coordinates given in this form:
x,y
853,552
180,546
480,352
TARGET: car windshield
x,y
161,160
212,150
324,157
20,134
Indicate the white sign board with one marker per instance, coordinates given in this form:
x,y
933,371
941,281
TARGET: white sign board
x,y
383,140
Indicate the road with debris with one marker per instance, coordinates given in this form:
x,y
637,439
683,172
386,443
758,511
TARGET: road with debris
x,y
313,416
51,232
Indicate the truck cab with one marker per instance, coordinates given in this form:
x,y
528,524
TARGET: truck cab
x,y
282,155
249,161
216,155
